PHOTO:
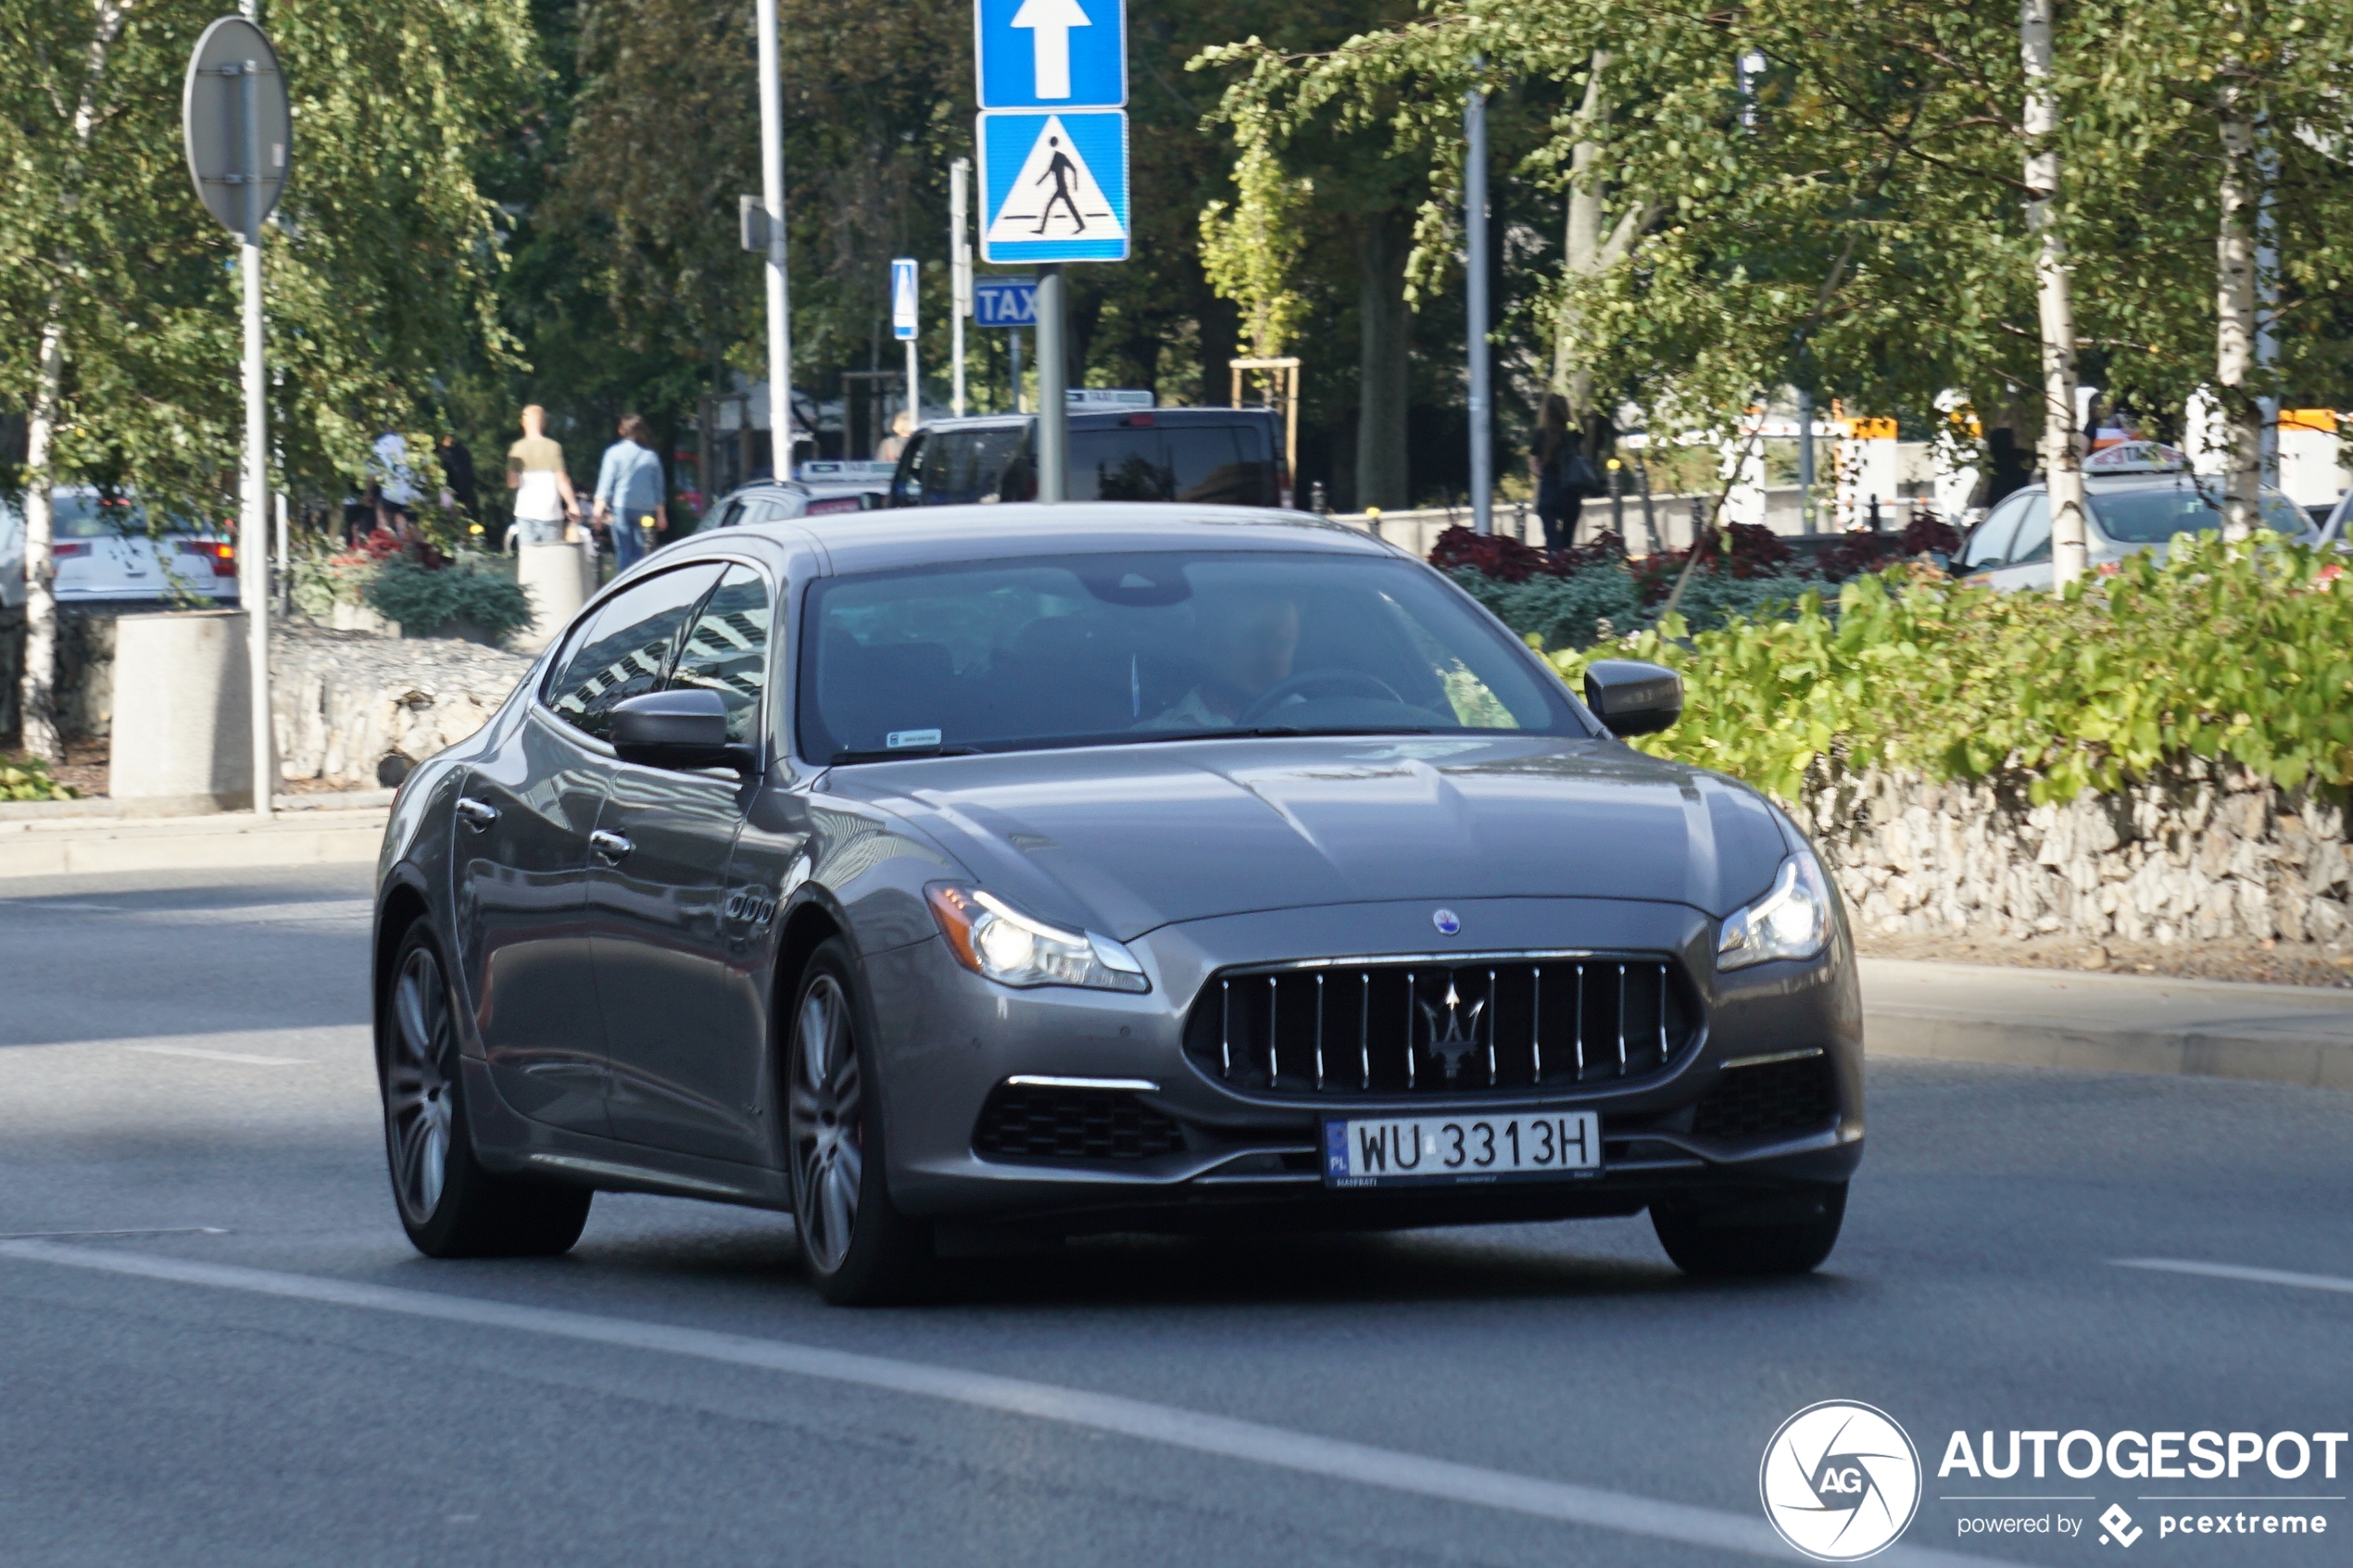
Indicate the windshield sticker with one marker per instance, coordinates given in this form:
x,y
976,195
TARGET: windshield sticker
x,y
897,738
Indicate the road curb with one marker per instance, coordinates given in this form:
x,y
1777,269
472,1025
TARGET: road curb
x,y
69,848
2270,1058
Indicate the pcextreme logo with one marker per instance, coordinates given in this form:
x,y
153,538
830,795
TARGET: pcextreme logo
x,y
1841,1481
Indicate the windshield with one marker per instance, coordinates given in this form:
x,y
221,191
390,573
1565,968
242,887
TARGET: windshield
x,y
1091,650
2153,515
88,516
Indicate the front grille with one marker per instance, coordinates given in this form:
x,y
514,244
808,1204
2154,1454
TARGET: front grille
x,y
1409,1027
1044,1123
1797,1095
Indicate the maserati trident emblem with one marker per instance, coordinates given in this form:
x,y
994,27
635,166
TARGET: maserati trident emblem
x,y
1446,922
1453,1045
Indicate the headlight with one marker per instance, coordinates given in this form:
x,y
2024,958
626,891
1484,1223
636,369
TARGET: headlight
x,y
991,937
1792,921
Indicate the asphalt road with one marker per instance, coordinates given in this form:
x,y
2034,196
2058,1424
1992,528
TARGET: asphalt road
x,y
266,1374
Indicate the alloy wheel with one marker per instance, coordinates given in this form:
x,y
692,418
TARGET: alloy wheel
x,y
418,1107
825,1121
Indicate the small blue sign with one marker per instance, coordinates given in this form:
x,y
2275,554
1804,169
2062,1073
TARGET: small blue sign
x,y
1051,54
1053,187
902,297
1005,302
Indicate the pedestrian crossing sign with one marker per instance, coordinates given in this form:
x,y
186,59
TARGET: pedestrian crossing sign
x,y
1053,186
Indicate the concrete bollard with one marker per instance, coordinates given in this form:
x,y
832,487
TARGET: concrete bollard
x,y
183,720
554,577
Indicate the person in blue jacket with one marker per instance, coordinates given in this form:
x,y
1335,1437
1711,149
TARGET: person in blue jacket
x,y
629,493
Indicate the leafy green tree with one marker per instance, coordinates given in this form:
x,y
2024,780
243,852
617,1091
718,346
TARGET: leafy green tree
x,y
382,259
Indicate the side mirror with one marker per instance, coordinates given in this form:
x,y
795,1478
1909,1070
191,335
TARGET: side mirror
x,y
1632,697
676,729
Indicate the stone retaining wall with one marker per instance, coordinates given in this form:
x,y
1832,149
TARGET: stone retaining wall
x,y
359,711
2204,852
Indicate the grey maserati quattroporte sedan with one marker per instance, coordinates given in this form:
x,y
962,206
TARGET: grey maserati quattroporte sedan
x,y
968,878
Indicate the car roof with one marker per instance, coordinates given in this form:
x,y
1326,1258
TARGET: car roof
x,y
878,541
1104,419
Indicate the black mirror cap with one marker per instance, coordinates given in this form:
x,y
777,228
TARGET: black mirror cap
x,y
1632,697
675,729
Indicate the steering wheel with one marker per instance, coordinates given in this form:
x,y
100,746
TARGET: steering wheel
x,y
1348,682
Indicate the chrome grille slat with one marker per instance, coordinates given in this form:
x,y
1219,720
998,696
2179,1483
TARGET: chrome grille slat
x,y
1491,1023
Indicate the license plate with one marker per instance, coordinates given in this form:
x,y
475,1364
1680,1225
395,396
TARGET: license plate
x,y
1467,1146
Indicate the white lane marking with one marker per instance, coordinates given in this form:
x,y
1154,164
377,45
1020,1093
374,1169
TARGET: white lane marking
x,y
311,910
1272,1446
204,1055
2234,1271
69,1236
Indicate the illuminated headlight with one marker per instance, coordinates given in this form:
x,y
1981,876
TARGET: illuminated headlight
x,y
1791,922
989,936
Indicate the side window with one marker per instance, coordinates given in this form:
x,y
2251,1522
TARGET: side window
x,y
1989,547
726,649
729,515
2032,546
627,650
907,485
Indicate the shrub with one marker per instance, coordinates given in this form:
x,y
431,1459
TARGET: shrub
x,y
425,598
2239,653
30,779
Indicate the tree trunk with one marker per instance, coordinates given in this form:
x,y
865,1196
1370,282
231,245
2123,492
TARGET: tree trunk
x,y
38,701
2234,305
1221,336
2062,459
1386,328
1583,246
36,704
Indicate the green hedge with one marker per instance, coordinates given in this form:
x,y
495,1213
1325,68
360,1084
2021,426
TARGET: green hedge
x,y
2241,653
424,599
1566,613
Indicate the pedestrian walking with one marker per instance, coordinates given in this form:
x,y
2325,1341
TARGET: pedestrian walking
x,y
544,497
886,450
458,477
629,493
394,485
1558,502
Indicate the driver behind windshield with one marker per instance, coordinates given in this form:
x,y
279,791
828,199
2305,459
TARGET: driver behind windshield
x,y
1249,639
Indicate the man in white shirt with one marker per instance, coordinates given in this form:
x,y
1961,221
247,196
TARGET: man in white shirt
x,y
544,498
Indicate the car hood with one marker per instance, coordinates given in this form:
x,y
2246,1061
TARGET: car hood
x,y
1124,839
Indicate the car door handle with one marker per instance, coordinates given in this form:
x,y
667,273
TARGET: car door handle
x,y
611,845
478,814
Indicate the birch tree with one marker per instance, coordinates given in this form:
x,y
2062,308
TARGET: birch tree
x,y
2055,305
380,266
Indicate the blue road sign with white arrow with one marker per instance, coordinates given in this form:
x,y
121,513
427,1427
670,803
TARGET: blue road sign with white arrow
x,y
1051,54
1005,302
902,297
1053,187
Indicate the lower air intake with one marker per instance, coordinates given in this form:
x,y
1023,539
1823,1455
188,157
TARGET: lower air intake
x,y
1042,1123
1797,1096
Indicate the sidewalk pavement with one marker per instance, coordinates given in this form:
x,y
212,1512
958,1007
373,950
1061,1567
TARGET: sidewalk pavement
x,y
63,846
2108,1022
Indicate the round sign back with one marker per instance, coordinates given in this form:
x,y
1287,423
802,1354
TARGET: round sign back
x,y
234,120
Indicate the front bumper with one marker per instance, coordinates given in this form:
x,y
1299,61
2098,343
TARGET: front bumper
x,y
948,1039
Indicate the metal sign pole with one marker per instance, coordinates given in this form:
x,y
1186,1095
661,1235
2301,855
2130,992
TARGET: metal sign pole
x,y
1482,444
960,252
1053,398
772,195
253,544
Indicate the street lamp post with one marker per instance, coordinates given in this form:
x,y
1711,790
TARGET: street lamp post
x,y
1483,443
772,195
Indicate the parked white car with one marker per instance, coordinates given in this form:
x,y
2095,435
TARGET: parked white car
x,y
2140,500
104,552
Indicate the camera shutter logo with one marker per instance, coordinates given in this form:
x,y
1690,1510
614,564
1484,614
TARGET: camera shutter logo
x,y
1841,1481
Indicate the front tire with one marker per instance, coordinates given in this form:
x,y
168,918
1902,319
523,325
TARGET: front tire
x,y
1735,1235
449,1204
860,1251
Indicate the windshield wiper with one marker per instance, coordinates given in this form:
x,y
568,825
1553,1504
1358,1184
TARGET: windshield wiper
x,y
900,753
1268,732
